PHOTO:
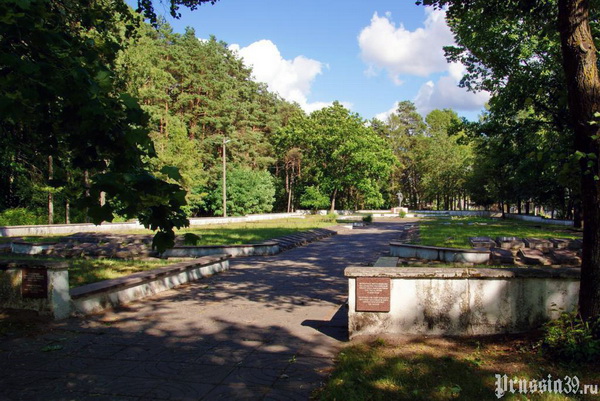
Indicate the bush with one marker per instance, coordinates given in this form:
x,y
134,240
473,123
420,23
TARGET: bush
x,y
22,217
314,199
402,214
330,217
248,191
368,218
570,339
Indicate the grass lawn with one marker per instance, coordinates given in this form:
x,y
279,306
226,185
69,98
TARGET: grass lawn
x,y
252,232
455,232
85,271
446,369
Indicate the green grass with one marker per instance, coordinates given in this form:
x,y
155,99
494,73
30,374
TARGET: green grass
x,y
86,271
437,232
252,232
444,369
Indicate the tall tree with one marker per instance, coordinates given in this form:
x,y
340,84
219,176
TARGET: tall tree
x,y
543,24
59,97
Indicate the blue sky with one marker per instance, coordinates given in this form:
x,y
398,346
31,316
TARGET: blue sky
x,y
366,54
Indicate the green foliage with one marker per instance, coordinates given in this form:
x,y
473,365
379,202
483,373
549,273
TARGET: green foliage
x,y
248,191
62,99
330,217
345,156
191,239
402,214
571,339
313,199
368,218
21,217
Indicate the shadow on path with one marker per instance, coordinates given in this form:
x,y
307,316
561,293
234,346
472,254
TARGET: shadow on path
x,y
265,330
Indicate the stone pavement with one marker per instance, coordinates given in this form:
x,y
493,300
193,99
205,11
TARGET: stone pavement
x,y
268,329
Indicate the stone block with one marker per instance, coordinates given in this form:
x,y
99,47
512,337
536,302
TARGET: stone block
x,y
565,257
502,256
482,242
543,245
510,242
534,257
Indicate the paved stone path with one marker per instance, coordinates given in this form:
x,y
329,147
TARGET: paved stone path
x,y
265,330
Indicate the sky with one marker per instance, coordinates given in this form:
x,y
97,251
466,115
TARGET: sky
x,y
368,55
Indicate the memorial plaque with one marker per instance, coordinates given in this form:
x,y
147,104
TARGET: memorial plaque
x,y
372,294
34,283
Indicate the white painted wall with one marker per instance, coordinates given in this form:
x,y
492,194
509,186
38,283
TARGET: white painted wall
x,y
464,302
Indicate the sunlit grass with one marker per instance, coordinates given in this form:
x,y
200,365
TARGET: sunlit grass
x,y
444,369
85,271
455,232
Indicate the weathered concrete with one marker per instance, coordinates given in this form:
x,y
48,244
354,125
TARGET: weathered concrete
x,y
111,293
268,248
450,255
386,261
470,301
482,242
541,244
53,302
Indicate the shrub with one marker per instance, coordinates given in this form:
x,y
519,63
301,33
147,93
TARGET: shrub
x,y
330,217
22,217
248,191
402,214
314,199
368,218
570,339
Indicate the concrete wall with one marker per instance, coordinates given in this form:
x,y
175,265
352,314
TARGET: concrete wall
x,y
485,213
65,229
455,301
270,248
450,255
54,301
110,293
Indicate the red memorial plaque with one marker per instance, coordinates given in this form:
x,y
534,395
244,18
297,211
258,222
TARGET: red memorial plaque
x,y
34,283
372,294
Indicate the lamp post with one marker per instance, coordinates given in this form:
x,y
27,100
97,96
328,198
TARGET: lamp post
x,y
225,141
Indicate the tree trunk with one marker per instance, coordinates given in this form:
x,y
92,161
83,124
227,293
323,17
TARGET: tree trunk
x,y
67,212
50,194
86,185
332,209
583,89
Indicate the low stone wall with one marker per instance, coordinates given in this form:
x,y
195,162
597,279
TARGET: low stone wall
x,y
265,249
485,213
110,293
35,285
44,286
456,301
450,255
60,229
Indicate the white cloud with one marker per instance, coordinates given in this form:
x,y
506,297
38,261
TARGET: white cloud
x,y
445,93
400,51
292,79
384,115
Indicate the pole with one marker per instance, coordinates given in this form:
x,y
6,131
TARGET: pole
x,y
224,180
